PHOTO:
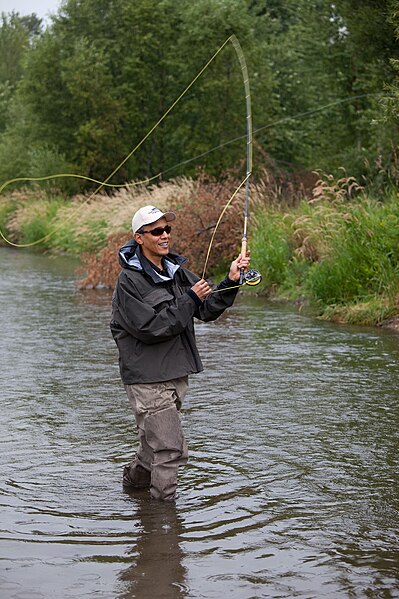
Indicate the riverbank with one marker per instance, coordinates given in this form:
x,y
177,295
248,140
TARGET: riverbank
x,y
333,251
336,253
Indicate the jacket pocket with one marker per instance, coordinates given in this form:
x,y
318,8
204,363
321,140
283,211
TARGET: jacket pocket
x,y
157,297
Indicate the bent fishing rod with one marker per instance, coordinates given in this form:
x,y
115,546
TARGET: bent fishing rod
x,y
251,277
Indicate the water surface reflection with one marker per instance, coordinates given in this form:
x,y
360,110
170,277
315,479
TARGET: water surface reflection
x,y
157,559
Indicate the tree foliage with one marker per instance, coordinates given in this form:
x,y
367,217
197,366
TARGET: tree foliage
x,y
83,92
391,104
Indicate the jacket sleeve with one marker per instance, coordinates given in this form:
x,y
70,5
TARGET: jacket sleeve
x,y
140,318
217,302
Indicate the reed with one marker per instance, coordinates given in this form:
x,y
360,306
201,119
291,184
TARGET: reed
x,y
73,226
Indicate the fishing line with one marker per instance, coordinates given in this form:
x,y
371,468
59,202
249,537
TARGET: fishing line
x,y
194,158
218,222
73,213
129,155
106,183
270,125
75,176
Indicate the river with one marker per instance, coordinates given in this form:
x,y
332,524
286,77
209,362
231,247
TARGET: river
x,y
292,486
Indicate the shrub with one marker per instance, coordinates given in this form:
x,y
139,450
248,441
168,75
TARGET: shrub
x,y
271,250
102,268
363,257
197,218
198,205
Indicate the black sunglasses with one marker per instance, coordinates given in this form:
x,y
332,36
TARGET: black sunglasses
x,y
158,231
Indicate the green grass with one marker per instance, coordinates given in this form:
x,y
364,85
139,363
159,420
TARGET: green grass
x,y
28,219
271,250
363,258
342,256
371,311
7,209
41,224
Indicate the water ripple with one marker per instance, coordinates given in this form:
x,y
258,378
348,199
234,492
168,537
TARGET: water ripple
x,y
292,485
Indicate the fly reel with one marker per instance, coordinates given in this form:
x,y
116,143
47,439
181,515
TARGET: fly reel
x,y
252,277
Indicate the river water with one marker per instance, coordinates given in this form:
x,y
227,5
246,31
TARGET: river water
x,y
292,485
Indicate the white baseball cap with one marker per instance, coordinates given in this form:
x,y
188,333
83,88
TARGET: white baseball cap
x,y
148,215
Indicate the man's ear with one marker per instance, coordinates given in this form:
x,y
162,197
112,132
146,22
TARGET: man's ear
x,y
137,238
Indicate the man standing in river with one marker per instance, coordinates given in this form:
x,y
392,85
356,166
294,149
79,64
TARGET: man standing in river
x,y
153,307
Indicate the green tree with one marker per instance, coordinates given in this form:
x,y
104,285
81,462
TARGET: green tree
x,y
16,36
322,52
214,111
391,104
370,45
105,73
91,86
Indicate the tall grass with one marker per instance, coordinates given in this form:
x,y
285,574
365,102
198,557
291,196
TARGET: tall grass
x,y
272,259
338,251
363,259
72,226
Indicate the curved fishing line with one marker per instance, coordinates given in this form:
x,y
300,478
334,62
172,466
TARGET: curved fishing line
x,y
105,183
76,176
129,155
194,158
218,223
73,213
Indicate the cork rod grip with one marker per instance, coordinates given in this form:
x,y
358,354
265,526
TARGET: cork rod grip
x,y
243,254
244,247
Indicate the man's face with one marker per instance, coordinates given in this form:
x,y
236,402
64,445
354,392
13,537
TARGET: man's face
x,y
154,247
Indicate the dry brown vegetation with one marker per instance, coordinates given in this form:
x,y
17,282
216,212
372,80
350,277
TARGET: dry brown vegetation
x,y
198,204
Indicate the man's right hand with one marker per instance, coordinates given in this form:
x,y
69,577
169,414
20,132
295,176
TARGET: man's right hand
x,y
201,289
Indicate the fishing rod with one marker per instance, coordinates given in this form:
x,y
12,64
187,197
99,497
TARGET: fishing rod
x,y
251,277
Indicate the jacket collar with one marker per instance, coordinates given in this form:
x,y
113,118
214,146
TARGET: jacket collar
x,y
131,257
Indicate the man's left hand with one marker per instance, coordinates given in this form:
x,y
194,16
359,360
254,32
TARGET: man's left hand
x,y
237,265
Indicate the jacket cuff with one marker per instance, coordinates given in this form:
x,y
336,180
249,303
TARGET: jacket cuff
x,y
226,283
194,297
230,282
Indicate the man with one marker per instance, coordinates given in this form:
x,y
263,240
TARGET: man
x,y
153,307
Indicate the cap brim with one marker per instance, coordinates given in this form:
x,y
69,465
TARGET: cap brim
x,y
169,216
